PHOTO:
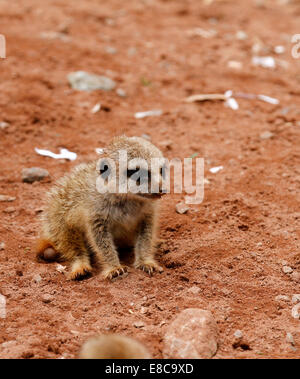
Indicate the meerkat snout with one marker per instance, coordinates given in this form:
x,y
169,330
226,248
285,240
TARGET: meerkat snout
x,y
85,215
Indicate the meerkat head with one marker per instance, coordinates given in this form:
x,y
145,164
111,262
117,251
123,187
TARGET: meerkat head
x,y
138,166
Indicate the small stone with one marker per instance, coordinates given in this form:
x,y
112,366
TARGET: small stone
x,y
120,92
4,125
194,290
235,65
238,334
111,50
2,246
2,306
295,276
266,135
47,299
192,335
84,81
60,268
282,298
290,338
96,108
9,210
181,208
296,311
8,199
37,278
138,324
34,174
144,310
296,298
287,269
241,35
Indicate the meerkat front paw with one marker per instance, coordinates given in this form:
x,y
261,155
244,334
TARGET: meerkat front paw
x,y
80,273
113,273
80,269
149,267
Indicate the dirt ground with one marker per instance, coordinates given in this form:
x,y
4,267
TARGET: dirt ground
x,y
232,246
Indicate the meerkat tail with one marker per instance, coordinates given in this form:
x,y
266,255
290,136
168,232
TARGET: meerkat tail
x,y
45,252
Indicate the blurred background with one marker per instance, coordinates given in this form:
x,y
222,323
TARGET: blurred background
x,y
152,55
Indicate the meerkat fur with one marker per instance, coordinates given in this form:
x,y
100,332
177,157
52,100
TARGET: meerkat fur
x,y
78,218
113,346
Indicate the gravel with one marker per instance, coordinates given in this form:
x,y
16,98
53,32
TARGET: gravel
x,y
34,174
84,81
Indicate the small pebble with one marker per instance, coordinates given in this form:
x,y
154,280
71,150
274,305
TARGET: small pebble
x,y
47,299
34,174
96,108
84,81
37,278
138,324
194,290
287,269
235,65
238,334
2,306
296,298
290,338
296,311
61,268
9,210
181,208
295,276
241,35
111,50
266,135
8,199
2,246
282,298
120,92
4,125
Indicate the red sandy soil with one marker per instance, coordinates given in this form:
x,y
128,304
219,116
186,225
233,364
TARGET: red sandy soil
x,y
233,245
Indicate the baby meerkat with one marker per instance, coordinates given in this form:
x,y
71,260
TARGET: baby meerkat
x,y
81,218
113,346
